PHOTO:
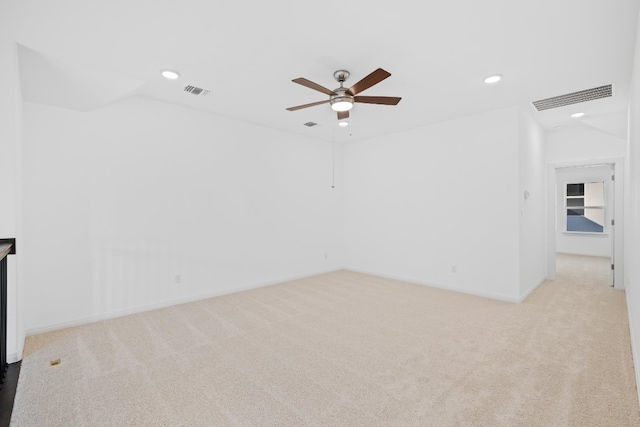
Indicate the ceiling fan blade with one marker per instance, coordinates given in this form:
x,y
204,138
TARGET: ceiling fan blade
x,y
384,100
299,107
308,83
374,78
343,115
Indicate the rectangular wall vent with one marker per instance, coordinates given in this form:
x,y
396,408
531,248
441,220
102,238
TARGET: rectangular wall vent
x,y
310,124
196,90
574,98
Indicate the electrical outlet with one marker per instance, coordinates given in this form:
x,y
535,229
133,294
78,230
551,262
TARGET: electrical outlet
x,y
454,269
326,255
178,279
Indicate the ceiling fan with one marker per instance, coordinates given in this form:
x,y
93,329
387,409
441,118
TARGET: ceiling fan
x,y
342,98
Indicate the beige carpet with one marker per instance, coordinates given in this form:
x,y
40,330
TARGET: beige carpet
x,y
345,349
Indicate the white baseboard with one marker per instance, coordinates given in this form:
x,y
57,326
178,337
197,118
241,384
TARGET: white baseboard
x,y
635,347
13,357
531,289
482,294
167,303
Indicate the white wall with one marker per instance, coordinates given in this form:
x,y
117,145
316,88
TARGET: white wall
x,y
10,173
533,245
421,201
121,200
582,143
9,130
632,212
584,244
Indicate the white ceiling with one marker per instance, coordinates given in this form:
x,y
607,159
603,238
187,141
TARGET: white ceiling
x,y
83,54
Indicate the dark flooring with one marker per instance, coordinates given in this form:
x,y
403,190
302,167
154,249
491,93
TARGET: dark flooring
x,y
8,393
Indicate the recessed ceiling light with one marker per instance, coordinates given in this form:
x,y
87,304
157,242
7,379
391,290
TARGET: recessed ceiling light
x,y
577,115
493,79
343,124
170,74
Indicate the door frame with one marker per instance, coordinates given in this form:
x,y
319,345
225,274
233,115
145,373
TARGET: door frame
x,y
617,164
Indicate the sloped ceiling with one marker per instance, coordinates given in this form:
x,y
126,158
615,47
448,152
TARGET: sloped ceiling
x,y
83,54
614,124
45,80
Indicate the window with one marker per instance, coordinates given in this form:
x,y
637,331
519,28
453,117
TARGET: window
x,y
584,205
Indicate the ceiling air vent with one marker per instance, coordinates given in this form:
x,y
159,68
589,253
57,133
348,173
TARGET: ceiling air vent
x,y
310,124
196,90
574,98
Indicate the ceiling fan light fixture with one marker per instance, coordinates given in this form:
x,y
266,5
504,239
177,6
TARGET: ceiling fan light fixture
x,y
342,103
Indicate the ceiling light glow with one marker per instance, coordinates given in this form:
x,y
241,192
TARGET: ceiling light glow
x,y
170,74
493,79
577,115
343,124
342,106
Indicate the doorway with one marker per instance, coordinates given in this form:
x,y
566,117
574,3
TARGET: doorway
x,y
585,219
